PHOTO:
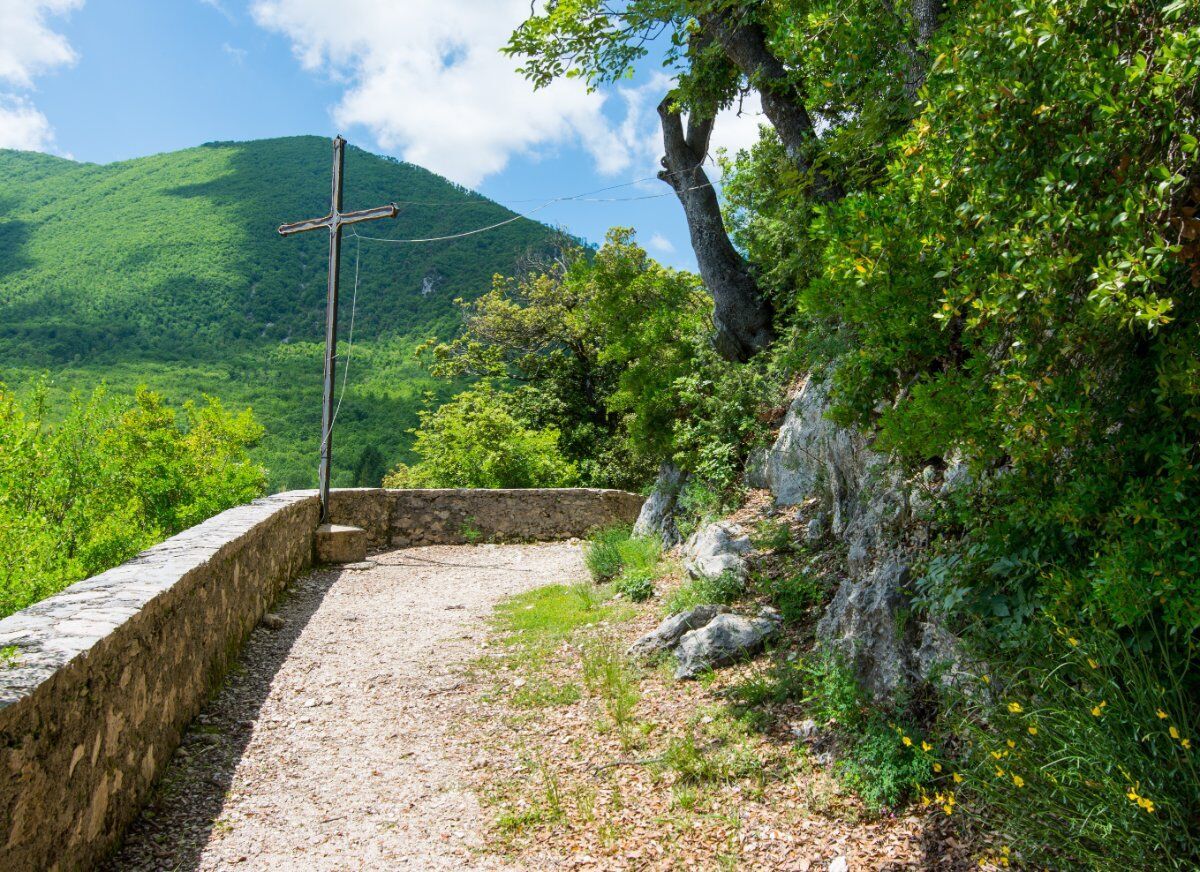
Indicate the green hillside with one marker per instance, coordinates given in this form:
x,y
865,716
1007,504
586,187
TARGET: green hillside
x,y
167,271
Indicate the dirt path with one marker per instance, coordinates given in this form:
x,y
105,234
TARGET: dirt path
x,y
330,746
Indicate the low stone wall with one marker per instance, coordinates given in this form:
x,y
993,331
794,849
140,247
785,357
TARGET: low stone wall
x,y
406,518
110,671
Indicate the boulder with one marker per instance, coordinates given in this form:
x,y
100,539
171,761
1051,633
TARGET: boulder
x,y
714,550
726,639
860,624
657,517
671,630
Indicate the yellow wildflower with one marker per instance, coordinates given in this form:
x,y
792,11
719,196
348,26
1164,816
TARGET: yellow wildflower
x,y
1098,710
986,680
1074,642
957,778
937,767
1174,733
1092,663
1015,708
1187,744
1011,743
1162,715
1033,731
999,772
1018,780
926,747
907,742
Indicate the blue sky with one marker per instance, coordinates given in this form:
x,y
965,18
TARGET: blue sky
x,y
105,80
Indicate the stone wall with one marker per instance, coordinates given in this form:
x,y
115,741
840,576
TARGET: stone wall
x,y
405,518
110,671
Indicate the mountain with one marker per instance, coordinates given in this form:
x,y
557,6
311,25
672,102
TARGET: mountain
x,y
168,271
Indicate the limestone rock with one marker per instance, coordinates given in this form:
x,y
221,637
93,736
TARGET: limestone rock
x,y
727,638
657,517
861,625
716,549
669,632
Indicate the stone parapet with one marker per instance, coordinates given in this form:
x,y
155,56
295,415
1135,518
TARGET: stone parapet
x,y
109,672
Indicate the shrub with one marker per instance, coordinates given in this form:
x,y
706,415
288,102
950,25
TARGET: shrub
x,y
474,441
796,595
633,561
1084,754
636,584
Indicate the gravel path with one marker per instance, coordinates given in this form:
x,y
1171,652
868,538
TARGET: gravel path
x,y
329,747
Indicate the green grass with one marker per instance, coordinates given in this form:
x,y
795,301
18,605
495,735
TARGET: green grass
x,y
632,563
724,590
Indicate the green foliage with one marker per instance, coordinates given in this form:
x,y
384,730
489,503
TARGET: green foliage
x,y
614,554
473,441
187,288
882,771
1086,751
725,589
109,478
796,596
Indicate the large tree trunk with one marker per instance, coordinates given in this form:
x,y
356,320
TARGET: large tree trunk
x,y
925,15
745,44
741,315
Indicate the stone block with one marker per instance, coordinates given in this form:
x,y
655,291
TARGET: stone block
x,y
340,544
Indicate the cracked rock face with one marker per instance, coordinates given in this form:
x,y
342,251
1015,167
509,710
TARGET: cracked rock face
x,y
712,551
657,517
727,638
863,503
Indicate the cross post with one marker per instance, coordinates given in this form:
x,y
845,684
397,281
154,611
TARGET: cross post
x,y
335,220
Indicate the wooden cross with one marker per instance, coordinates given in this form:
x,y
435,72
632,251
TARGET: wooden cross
x,y
335,220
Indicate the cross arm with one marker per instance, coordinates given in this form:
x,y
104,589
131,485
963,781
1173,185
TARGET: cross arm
x,y
304,226
388,211
339,218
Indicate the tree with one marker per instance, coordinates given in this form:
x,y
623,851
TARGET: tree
x,y
592,347
370,468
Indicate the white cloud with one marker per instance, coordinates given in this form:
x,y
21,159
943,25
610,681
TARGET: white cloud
x,y
22,126
427,79
219,7
661,244
28,47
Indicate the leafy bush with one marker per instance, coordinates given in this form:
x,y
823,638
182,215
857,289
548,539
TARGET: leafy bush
x,y
636,584
1085,755
111,478
473,441
796,596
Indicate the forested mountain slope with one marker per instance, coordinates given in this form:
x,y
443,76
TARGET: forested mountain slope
x,y
168,270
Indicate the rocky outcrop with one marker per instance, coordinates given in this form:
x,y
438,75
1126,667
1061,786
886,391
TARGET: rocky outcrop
x,y
727,638
708,636
657,517
851,497
667,635
717,549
